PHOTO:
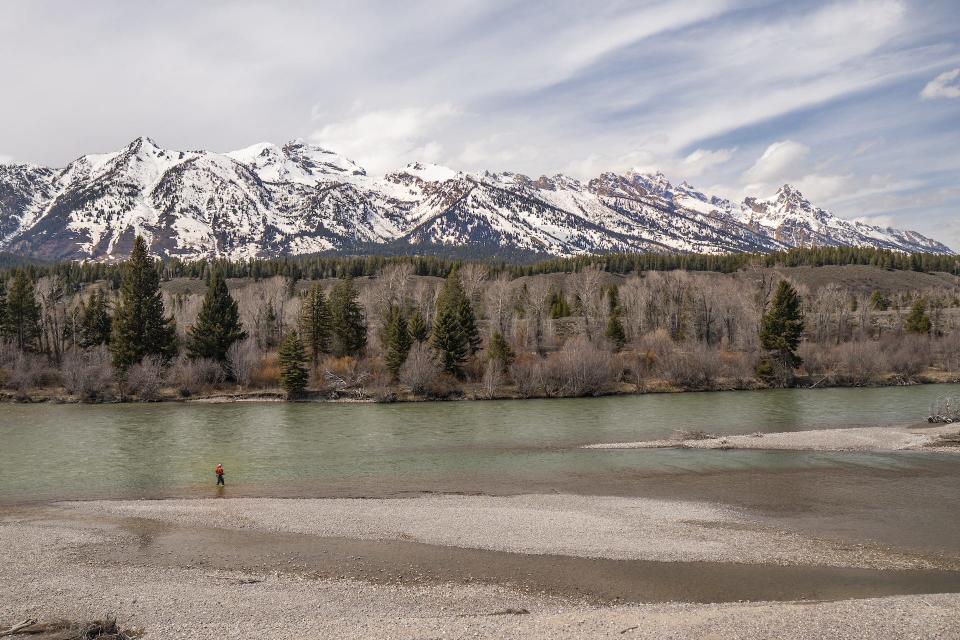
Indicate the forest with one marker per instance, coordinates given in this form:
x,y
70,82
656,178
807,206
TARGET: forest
x,y
387,329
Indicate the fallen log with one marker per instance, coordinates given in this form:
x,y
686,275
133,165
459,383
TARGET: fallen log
x,y
17,627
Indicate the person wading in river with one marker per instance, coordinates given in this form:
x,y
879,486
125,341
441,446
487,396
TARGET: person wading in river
x,y
219,472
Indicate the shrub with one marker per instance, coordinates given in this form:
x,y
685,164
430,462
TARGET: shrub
x,y
527,375
420,371
493,379
243,358
29,371
907,357
738,367
87,374
266,374
818,359
189,376
696,367
861,362
580,368
145,378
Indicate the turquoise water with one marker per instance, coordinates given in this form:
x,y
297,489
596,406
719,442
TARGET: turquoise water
x,y
56,451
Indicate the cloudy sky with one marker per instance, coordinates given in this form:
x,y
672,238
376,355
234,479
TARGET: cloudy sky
x,y
857,103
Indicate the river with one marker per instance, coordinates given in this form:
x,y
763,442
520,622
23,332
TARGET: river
x,y
51,451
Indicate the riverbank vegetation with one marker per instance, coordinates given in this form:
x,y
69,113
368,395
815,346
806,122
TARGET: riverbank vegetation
x,y
420,328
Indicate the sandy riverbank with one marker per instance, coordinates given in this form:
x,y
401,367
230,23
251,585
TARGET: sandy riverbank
x,y
901,438
528,566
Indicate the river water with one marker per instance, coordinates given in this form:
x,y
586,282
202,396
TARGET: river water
x,y
50,451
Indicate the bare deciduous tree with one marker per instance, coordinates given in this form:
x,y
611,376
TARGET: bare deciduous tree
x,y
473,276
243,359
87,375
420,370
500,299
145,379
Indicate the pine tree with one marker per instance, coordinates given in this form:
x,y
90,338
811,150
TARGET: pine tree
x,y
23,311
218,323
559,307
615,332
782,325
6,329
139,326
94,321
917,321
397,341
455,335
315,323
499,350
347,325
878,301
417,327
292,361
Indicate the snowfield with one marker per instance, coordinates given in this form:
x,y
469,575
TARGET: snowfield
x,y
268,200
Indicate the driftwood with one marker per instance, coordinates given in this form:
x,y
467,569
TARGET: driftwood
x,y
69,630
945,410
17,627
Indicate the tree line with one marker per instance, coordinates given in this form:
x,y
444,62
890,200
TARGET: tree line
x,y
582,332
318,267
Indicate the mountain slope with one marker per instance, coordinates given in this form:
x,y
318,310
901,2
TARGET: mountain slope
x,y
269,200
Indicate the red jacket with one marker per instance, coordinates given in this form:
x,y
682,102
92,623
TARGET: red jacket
x,y
219,470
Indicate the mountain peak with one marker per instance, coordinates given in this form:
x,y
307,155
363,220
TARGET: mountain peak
x,y
314,158
268,200
429,172
143,143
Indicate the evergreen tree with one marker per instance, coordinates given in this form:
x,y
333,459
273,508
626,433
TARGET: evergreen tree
x,y
499,350
917,321
455,335
347,325
23,311
878,301
559,307
292,361
94,321
615,332
782,325
417,327
218,323
139,326
397,341
315,323
6,329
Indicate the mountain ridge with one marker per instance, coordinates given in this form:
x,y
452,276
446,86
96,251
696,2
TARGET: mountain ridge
x,y
267,200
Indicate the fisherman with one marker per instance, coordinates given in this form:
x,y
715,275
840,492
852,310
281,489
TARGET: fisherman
x,y
219,472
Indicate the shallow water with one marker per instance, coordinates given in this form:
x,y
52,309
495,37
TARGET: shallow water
x,y
58,451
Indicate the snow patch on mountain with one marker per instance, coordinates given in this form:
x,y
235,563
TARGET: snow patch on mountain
x,y
269,200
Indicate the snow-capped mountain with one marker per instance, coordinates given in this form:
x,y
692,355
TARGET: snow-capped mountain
x,y
268,200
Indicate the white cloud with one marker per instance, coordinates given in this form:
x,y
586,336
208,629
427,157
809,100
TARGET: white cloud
x,y
497,152
877,221
779,161
945,85
819,188
382,140
701,160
